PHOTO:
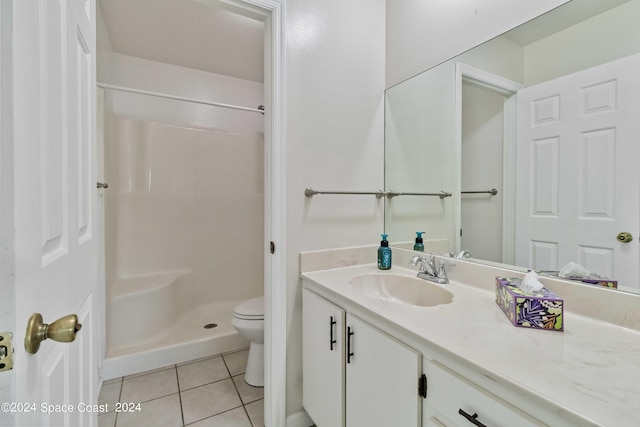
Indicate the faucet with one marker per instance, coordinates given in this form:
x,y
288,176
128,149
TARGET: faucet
x,y
428,269
461,254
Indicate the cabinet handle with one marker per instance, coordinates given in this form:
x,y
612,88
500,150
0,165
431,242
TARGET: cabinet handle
x,y
473,419
349,335
332,341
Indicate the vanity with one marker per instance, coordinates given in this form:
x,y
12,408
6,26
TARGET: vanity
x,y
375,356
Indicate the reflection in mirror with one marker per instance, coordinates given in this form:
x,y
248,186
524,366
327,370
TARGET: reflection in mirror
x,y
545,115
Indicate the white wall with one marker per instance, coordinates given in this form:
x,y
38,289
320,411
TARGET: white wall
x,y
606,37
335,84
419,134
421,34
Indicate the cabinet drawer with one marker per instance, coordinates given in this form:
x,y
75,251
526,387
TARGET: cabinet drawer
x,y
450,394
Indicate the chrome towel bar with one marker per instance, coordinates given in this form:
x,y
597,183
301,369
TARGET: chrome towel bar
x,y
310,192
493,192
441,194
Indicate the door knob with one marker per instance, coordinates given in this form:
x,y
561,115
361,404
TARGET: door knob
x,y
102,185
62,330
624,237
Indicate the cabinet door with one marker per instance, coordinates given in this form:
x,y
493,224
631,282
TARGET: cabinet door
x,y
382,378
322,360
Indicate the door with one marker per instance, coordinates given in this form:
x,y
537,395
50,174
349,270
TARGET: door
x,y
577,174
322,360
55,198
482,138
382,379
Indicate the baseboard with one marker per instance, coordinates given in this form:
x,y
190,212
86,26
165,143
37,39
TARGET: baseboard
x,y
299,419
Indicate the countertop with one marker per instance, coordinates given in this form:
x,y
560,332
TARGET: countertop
x,y
590,371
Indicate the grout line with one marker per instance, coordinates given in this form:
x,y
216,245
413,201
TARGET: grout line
x,y
247,412
179,394
115,421
226,366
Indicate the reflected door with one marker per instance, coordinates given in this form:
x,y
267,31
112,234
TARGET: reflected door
x,y
577,174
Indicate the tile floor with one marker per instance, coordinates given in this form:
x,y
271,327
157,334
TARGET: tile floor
x,y
208,392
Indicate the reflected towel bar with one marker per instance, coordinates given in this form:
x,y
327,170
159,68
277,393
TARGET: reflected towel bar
x,y
493,192
441,194
310,192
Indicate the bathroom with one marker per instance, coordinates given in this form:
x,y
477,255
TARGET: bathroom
x,y
328,66
184,203
186,185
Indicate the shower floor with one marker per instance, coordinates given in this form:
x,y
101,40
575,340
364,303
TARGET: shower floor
x,y
187,339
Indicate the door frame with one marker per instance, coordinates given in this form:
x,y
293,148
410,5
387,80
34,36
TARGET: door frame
x,y
7,234
509,89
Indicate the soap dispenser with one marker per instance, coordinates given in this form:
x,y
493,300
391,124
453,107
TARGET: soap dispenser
x,y
384,254
419,246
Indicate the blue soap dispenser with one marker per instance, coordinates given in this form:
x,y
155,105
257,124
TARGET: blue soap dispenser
x,y
384,254
419,246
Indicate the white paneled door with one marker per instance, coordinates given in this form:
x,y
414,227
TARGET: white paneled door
x,y
55,200
577,172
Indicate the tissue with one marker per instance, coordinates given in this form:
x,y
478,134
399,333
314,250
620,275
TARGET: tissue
x,y
576,272
573,270
530,283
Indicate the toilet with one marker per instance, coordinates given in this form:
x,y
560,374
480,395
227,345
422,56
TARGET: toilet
x,y
248,320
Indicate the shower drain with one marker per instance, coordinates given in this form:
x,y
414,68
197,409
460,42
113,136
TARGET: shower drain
x,y
210,325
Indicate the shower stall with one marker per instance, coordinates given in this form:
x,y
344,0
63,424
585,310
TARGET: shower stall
x,y
184,212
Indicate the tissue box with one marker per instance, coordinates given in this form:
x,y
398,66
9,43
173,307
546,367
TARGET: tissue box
x,y
607,283
598,281
539,311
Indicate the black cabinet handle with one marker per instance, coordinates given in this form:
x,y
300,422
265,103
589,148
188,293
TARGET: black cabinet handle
x,y
332,341
349,352
473,419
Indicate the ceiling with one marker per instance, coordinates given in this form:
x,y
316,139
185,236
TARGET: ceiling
x,y
558,19
188,33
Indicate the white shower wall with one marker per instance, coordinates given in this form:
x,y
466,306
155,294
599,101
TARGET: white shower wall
x,y
182,166
184,212
182,198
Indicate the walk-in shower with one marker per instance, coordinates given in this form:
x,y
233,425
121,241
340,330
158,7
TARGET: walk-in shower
x,y
184,210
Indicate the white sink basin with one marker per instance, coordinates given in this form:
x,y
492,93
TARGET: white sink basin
x,y
401,289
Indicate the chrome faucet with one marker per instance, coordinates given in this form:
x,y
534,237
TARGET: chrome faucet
x,y
461,254
428,269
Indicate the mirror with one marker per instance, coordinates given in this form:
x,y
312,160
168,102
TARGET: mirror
x,y
542,114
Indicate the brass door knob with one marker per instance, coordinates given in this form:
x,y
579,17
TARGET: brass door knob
x,y
62,330
624,237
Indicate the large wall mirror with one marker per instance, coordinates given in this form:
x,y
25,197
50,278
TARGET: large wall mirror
x,y
533,138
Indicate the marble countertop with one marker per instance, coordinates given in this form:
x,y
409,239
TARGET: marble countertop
x,y
591,370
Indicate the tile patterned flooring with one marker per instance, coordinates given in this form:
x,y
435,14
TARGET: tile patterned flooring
x,y
208,392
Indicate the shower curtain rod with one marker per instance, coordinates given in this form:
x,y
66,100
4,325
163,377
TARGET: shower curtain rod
x,y
179,98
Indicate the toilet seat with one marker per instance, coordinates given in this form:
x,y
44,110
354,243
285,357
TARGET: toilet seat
x,y
252,309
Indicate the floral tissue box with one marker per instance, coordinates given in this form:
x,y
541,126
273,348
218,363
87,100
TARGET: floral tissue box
x,y
542,310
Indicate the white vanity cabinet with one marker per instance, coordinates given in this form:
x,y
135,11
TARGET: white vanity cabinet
x,y
354,374
323,358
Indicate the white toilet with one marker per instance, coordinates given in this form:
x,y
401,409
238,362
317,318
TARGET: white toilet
x,y
248,319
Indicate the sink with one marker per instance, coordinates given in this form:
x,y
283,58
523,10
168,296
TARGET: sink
x,y
401,289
